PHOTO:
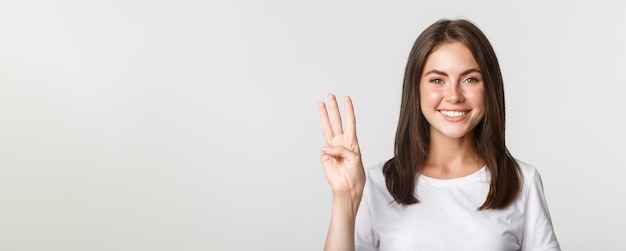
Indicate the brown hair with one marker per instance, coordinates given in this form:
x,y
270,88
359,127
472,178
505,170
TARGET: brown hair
x,y
413,135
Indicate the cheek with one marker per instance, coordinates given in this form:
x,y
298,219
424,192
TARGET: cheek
x,y
476,97
430,97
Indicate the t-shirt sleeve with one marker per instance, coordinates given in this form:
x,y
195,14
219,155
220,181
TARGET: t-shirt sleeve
x,y
364,236
538,231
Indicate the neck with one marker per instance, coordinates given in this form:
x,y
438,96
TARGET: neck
x,y
451,157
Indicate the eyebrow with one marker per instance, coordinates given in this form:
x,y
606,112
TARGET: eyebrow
x,y
468,71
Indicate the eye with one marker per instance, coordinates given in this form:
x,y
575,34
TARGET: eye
x,y
436,81
471,80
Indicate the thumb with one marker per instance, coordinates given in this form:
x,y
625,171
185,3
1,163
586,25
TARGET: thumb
x,y
338,152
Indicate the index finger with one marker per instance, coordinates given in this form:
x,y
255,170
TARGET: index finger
x,y
326,127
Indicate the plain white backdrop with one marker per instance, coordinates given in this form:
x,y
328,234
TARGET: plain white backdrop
x,y
192,125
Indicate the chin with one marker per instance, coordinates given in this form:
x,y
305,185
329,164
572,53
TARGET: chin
x,y
455,134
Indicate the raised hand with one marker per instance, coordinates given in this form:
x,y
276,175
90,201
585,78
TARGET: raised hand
x,y
341,157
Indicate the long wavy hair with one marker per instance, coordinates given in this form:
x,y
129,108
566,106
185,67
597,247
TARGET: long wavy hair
x,y
413,133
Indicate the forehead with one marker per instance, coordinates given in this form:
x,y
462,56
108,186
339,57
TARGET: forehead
x,y
454,57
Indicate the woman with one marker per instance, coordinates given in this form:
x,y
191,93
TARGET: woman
x,y
452,184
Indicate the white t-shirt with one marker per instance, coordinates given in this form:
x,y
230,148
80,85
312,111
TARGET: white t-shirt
x,y
447,217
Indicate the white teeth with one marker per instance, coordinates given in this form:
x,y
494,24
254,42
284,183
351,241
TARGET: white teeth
x,y
453,114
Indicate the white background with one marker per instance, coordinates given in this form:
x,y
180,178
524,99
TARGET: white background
x,y
192,125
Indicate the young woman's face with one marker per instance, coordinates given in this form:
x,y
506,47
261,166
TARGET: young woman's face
x,y
452,91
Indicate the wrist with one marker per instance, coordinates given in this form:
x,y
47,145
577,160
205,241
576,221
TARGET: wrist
x,y
347,203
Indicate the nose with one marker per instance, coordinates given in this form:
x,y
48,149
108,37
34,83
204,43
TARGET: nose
x,y
454,94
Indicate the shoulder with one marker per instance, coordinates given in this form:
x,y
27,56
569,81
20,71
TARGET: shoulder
x,y
532,184
374,174
526,169
375,179
529,172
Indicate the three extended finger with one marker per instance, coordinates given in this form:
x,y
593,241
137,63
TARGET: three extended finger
x,y
350,117
335,115
326,127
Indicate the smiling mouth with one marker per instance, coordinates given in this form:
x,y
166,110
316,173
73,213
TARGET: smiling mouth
x,y
454,114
